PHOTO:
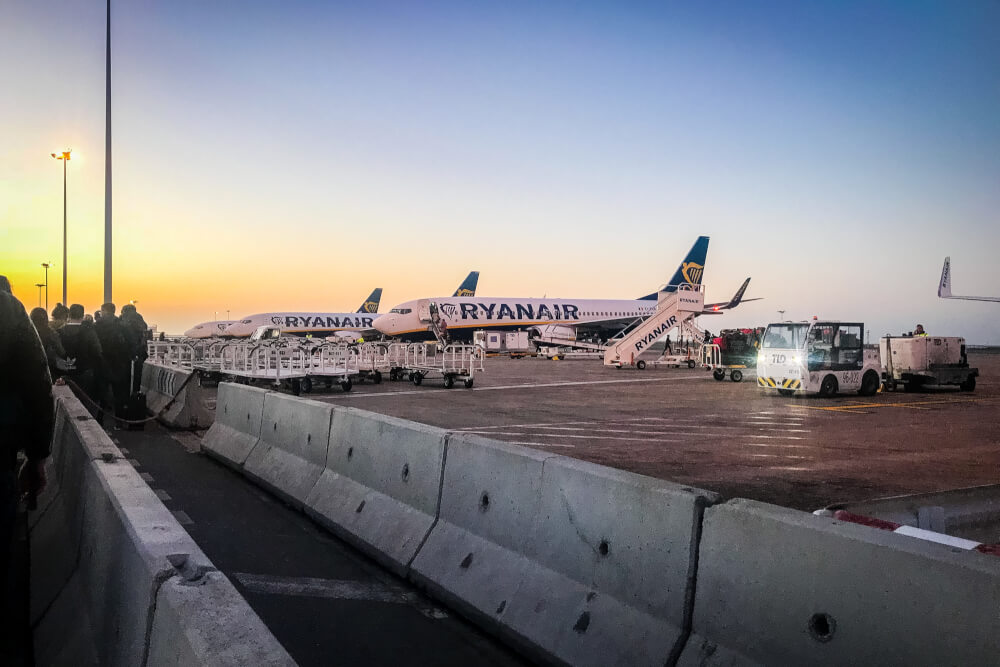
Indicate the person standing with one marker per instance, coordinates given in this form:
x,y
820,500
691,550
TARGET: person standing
x,y
81,345
117,356
137,333
59,316
26,415
54,351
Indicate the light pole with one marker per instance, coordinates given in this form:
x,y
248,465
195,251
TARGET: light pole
x,y
227,313
46,265
65,158
39,286
782,314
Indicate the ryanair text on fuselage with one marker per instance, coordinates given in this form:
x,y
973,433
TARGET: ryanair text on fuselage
x,y
516,311
320,321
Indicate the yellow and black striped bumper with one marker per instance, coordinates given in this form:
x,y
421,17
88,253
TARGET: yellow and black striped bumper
x,y
771,383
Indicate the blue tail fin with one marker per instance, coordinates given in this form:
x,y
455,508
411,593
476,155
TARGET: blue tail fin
x,y
468,286
371,303
689,272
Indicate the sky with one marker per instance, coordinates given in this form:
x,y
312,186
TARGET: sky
x,y
295,155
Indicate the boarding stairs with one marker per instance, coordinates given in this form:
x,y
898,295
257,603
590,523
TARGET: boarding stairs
x,y
673,309
430,314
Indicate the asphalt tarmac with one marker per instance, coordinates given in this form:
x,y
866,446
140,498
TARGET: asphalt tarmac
x,y
732,438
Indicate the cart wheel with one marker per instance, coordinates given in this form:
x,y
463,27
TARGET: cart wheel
x,y
736,376
690,363
969,384
449,381
641,365
377,377
719,375
890,385
346,384
869,384
296,386
417,379
307,385
468,383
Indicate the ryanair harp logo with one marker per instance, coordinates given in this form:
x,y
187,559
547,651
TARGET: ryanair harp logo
x,y
465,292
692,272
369,307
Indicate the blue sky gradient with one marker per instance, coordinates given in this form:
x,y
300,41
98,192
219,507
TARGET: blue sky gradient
x,y
294,155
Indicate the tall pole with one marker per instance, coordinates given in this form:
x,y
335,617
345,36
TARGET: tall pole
x,y
39,286
46,265
65,303
107,167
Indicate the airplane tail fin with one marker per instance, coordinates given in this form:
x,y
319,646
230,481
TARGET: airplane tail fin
x,y
371,303
689,272
944,288
468,286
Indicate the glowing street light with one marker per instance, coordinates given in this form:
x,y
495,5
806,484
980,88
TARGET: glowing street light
x,y
65,158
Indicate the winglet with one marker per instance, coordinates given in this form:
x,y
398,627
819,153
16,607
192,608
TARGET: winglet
x,y
738,297
944,288
468,286
371,303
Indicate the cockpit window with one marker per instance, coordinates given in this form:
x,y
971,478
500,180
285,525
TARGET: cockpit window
x,y
247,321
401,311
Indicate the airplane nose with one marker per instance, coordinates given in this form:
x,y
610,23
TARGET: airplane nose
x,y
383,324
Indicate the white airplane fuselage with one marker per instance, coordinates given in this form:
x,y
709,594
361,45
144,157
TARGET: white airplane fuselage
x,y
463,315
208,329
304,324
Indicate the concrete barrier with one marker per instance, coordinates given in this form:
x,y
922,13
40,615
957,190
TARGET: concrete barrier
x,y
573,562
192,407
781,587
291,452
115,600
238,414
474,558
381,485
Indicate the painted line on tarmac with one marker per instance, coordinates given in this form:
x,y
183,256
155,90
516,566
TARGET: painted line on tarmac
x,y
539,444
581,437
778,456
778,444
514,386
850,407
598,428
336,589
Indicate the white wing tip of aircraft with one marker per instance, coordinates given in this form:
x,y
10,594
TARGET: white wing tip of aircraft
x,y
944,287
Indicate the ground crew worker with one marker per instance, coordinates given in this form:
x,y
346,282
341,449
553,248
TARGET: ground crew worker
x,y
26,416
919,331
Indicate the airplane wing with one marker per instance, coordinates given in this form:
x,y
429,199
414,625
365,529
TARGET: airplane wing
x,y
944,287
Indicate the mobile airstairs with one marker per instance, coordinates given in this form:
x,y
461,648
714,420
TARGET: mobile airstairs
x,y
673,309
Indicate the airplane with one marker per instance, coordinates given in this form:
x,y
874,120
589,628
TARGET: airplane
x,y
312,324
944,287
208,329
563,319
347,325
